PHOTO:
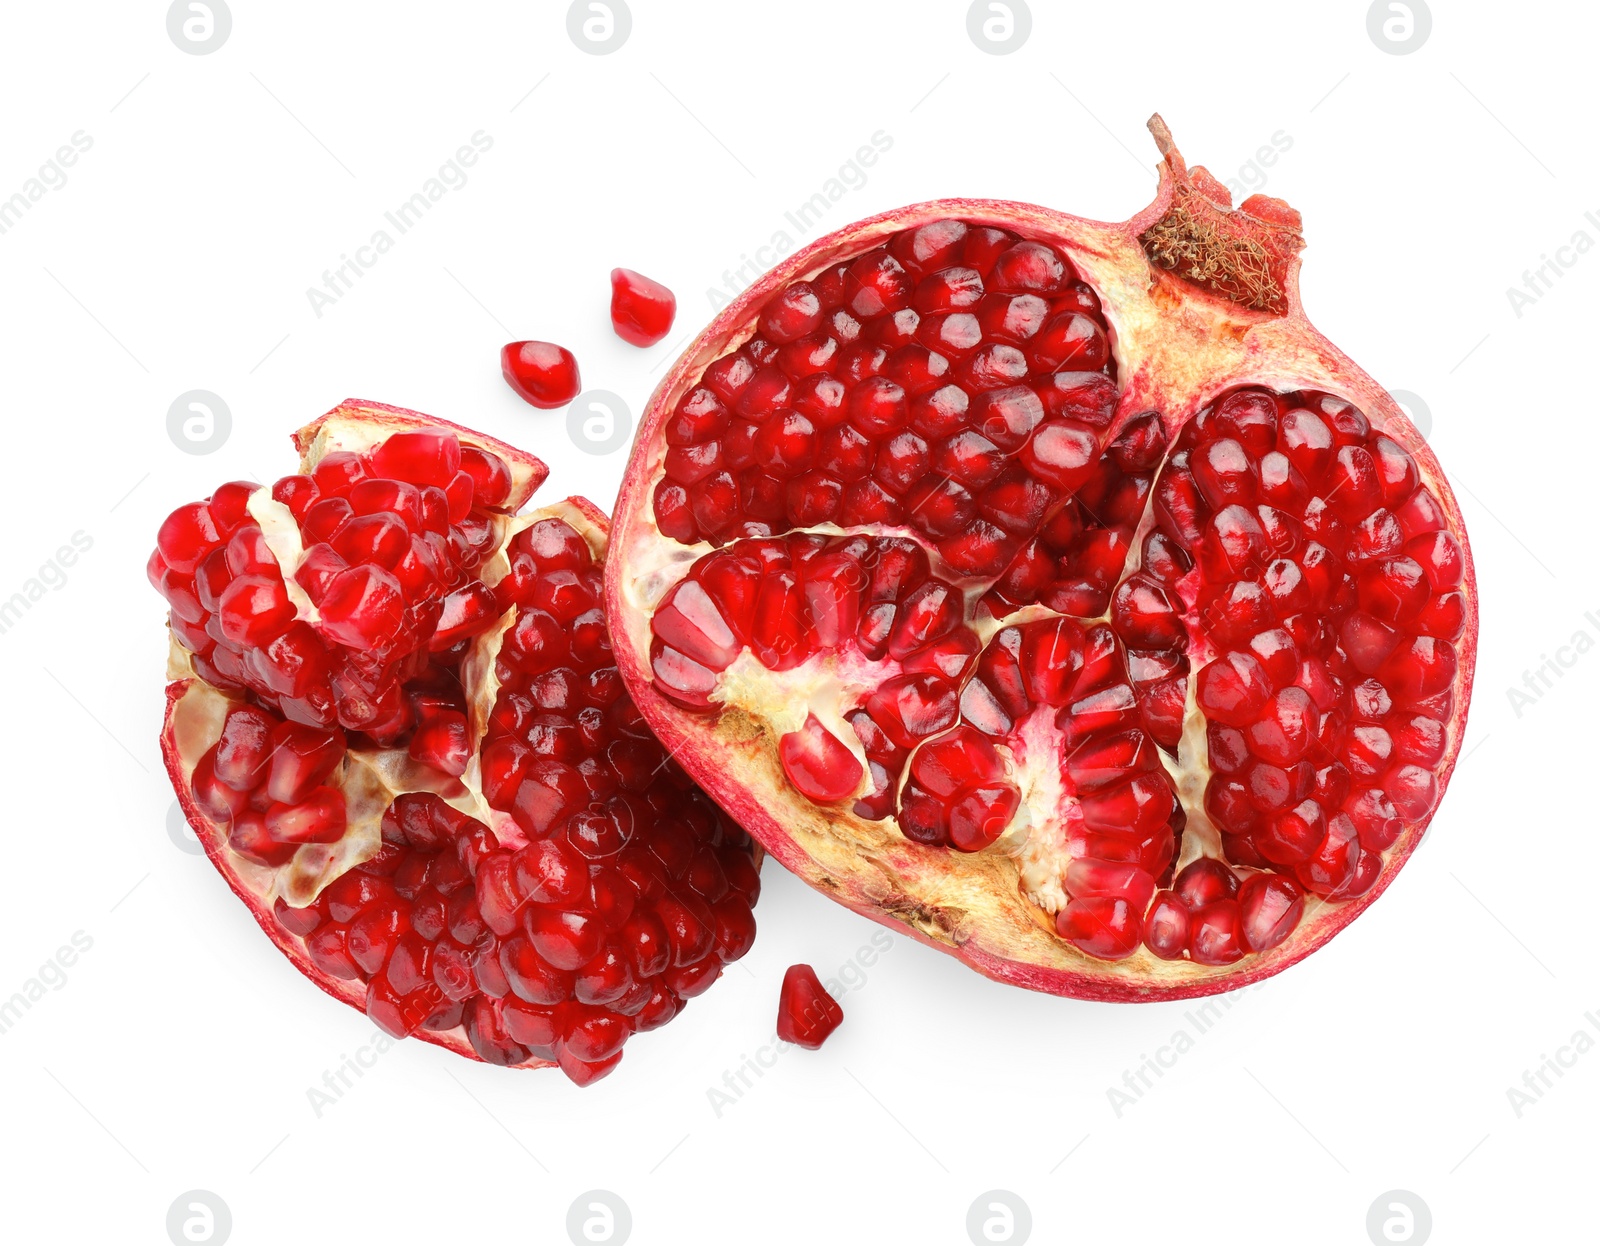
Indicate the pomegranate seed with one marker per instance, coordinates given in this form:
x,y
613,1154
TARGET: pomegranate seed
x,y
1166,926
542,373
362,607
819,764
1270,907
807,1014
641,311
1217,934
1103,926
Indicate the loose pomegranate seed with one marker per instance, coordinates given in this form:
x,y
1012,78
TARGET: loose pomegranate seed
x,y
641,310
542,373
807,1014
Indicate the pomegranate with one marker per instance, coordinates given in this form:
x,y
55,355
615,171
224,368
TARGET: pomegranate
x,y
1052,590
397,727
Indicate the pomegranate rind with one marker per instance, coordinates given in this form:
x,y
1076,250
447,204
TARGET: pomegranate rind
x,y
1177,347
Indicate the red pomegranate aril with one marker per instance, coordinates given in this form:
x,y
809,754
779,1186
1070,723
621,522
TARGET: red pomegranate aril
x,y
1205,881
362,608
532,976
1217,934
642,310
1270,906
317,819
819,764
441,741
807,1013
1103,926
1166,926
542,373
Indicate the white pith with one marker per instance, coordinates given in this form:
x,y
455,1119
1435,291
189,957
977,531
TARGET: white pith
x,y
1048,814
281,531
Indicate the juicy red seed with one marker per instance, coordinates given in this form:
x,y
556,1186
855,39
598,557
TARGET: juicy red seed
x,y
1166,926
1270,906
807,1013
1216,934
423,457
819,764
542,373
362,607
442,741
642,310
186,536
1106,927
1205,881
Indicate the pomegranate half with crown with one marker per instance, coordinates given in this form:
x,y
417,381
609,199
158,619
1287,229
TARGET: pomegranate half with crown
x,y
1052,590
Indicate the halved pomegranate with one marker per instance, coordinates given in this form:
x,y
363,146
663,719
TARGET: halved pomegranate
x,y
1052,590
397,727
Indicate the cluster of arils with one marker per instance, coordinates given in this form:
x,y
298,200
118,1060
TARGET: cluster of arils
x,y
384,548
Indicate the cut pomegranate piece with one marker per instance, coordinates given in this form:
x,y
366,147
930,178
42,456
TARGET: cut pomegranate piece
x,y
434,793
1129,673
807,1014
641,309
543,374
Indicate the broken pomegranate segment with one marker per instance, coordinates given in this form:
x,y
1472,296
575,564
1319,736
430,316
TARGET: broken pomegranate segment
x,y
1052,590
504,861
807,1014
543,374
642,310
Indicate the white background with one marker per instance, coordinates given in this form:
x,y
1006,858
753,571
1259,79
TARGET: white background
x,y
179,1052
